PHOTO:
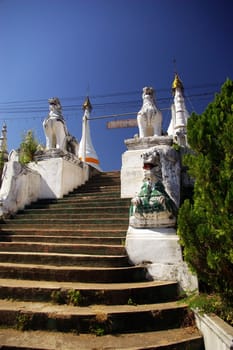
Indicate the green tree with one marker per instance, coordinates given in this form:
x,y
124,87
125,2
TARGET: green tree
x,y
2,162
205,226
27,147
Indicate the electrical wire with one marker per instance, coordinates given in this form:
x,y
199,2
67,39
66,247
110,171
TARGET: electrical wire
x,y
77,107
36,106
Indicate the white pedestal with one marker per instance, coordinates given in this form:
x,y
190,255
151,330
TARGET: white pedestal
x,y
160,251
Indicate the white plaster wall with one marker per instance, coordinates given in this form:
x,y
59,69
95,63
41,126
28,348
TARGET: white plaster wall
x,y
59,176
73,176
51,178
20,186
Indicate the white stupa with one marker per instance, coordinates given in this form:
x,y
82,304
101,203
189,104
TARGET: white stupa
x,y
180,115
3,142
87,152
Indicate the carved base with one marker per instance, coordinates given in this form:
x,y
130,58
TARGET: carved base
x,y
51,153
150,220
148,142
57,153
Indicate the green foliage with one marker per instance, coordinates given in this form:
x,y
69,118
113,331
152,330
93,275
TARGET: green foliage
x,y
176,147
23,322
98,330
131,302
2,161
205,226
211,303
57,297
101,324
75,297
27,148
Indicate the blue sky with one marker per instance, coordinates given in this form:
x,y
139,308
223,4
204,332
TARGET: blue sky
x,y
109,50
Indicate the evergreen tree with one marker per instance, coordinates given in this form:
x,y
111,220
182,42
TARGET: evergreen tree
x,y
2,162
205,226
27,148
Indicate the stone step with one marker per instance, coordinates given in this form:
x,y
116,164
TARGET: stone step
x,y
63,259
108,180
89,293
80,202
73,210
187,338
98,187
63,248
89,221
88,224
66,215
95,189
63,273
110,319
62,239
91,199
91,195
61,231
105,178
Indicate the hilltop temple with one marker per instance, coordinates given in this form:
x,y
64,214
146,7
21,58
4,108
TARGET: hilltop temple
x,y
151,176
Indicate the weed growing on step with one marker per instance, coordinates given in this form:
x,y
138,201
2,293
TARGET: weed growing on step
x,y
131,302
123,242
23,322
101,325
72,296
57,297
97,330
75,298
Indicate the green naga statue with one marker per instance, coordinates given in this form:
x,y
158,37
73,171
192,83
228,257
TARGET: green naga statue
x,y
152,197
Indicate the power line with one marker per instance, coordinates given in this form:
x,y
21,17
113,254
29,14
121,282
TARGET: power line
x,y
114,94
77,107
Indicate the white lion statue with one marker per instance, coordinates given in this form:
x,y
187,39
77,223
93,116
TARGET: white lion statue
x,y
149,117
57,135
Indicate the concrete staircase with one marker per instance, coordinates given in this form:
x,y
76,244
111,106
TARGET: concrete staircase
x,y
65,278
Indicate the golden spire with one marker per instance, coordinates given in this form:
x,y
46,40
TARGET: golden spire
x,y
177,83
87,104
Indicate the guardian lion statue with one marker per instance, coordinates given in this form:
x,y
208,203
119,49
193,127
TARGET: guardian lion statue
x,y
152,206
56,133
149,117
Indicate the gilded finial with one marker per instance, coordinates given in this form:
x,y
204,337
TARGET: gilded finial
x,y
177,83
87,104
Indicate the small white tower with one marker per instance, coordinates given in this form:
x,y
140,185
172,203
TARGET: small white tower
x,y
180,115
87,152
3,142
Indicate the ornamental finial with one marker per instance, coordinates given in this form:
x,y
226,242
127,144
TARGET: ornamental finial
x,y
177,84
87,104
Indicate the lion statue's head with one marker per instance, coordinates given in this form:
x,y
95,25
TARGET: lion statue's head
x,y
148,93
54,104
